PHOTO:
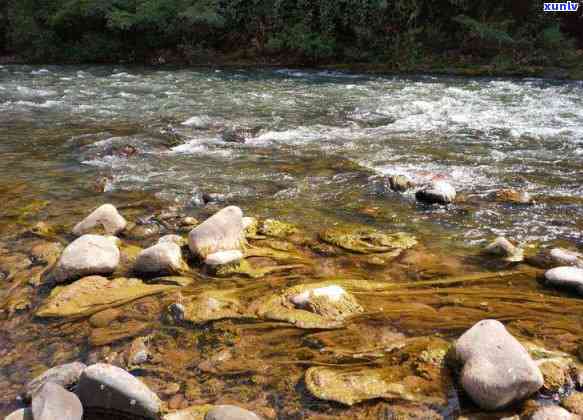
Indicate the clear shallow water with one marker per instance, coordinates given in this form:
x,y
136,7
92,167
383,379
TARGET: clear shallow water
x,y
318,146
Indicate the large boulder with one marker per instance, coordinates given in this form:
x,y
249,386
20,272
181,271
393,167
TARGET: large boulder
x,y
105,219
230,412
497,370
567,277
85,256
53,402
94,294
65,375
161,259
221,232
104,388
223,258
439,192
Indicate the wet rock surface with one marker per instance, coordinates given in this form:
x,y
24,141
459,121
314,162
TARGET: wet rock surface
x,y
64,375
565,277
439,192
221,232
164,258
230,412
104,220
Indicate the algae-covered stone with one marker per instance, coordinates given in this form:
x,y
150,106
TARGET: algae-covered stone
x,y
94,294
277,229
85,256
406,376
104,318
105,219
250,226
555,375
320,305
497,370
210,306
574,403
109,388
365,240
221,232
111,334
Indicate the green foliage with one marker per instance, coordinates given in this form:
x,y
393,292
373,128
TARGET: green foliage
x,y
400,32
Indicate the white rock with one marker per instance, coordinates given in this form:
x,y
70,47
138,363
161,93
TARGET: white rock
x,y
223,257
162,258
106,217
497,370
439,192
221,232
334,293
85,256
568,277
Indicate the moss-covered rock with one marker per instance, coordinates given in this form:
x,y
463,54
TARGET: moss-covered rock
x,y
277,229
365,240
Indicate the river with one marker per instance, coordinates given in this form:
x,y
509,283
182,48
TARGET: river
x,y
319,146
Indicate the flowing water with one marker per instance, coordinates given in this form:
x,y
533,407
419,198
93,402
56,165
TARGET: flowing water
x,y
318,147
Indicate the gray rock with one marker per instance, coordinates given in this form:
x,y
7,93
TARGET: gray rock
x,y
221,232
223,257
65,375
502,247
53,402
105,217
86,256
567,277
439,192
497,370
233,135
552,412
199,122
162,258
22,414
107,387
230,412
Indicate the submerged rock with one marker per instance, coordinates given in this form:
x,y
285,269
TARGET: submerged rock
x,y
574,403
94,294
104,318
502,247
320,305
143,231
53,402
277,229
497,370
111,334
439,192
64,375
221,232
230,412
164,258
364,240
106,387
250,226
85,256
174,239
233,135
416,372
105,219
567,277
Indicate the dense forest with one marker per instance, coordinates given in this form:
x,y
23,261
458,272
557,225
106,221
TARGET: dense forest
x,y
398,33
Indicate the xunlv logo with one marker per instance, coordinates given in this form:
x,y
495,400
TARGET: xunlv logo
x,y
561,7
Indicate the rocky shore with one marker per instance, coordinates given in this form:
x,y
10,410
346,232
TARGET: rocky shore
x,y
171,318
